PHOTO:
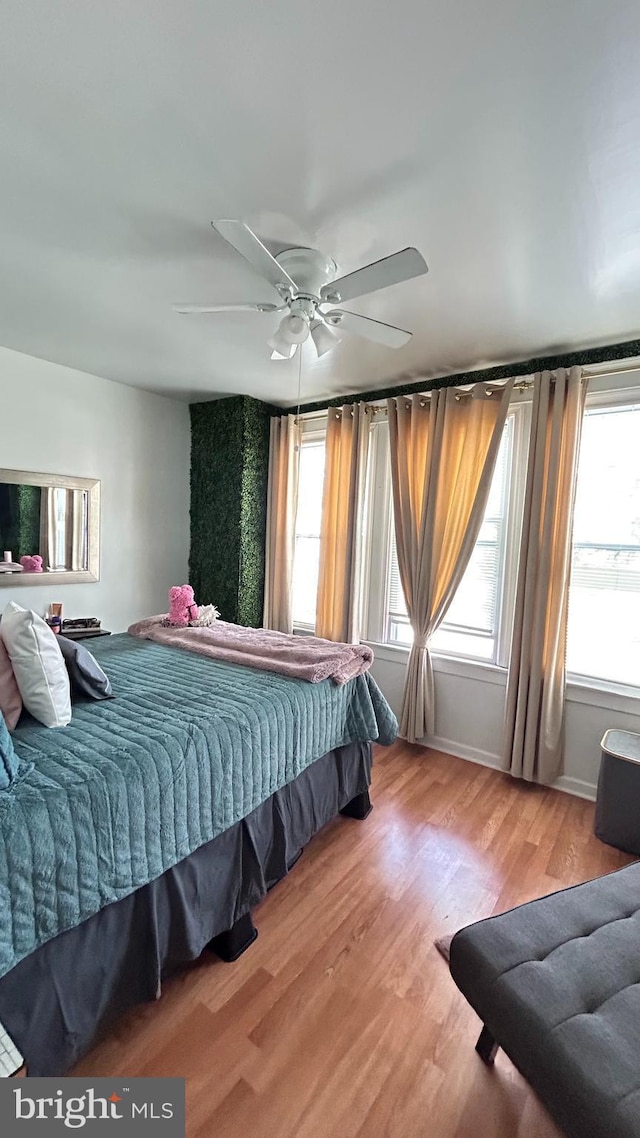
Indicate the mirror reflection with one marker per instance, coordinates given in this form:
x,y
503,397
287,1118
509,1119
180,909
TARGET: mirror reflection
x,y
43,529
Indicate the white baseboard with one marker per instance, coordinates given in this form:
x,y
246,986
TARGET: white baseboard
x,y
576,786
566,783
462,751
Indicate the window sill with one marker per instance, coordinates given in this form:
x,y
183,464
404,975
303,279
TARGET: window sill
x,y
448,665
602,693
580,689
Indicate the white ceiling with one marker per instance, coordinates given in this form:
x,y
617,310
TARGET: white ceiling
x,y
502,137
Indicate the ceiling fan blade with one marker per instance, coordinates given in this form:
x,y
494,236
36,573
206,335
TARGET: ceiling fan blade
x,y
375,330
201,308
252,249
401,266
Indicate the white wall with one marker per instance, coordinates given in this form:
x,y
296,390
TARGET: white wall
x,y
470,712
60,421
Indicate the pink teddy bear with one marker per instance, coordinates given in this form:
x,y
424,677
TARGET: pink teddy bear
x,y
182,607
32,564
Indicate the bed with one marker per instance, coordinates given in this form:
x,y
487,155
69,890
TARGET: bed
x,y
151,826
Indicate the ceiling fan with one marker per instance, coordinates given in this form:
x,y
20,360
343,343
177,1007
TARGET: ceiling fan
x,y
308,292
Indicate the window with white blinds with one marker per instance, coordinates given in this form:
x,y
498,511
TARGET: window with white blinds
x,y
603,639
471,627
306,561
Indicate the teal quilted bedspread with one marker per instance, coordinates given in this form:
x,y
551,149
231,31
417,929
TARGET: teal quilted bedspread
x,y
134,784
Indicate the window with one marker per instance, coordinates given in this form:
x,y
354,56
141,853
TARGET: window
x,y
306,560
603,643
604,600
471,627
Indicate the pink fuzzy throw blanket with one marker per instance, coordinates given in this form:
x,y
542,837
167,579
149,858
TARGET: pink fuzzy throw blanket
x,y
299,657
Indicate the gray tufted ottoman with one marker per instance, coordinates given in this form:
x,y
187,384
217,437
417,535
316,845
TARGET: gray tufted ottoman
x,y
557,985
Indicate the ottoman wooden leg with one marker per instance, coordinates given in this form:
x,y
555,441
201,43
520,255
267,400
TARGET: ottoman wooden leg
x,y
359,807
230,945
487,1047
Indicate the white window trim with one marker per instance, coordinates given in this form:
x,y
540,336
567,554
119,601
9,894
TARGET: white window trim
x,y
314,427
313,430
582,686
378,542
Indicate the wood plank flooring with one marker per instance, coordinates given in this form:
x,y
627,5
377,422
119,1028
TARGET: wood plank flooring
x,y
342,1018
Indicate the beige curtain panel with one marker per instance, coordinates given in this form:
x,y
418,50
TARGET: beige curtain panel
x,y
443,453
76,529
282,503
534,716
338,610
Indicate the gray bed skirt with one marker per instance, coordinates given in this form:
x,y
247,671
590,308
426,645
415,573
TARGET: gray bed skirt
x,y
56,1001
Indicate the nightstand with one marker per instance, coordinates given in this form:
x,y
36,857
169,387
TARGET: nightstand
x,y
84,633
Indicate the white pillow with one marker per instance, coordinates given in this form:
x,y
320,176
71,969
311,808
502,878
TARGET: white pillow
x,y
38,665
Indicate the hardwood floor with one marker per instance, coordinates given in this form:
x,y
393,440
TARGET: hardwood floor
x,y
342,1018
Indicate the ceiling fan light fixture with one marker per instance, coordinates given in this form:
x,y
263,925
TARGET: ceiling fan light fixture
x,y
323,337
282,349
294,328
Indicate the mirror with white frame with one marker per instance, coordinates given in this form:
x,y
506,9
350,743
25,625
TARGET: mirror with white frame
x,y
49,527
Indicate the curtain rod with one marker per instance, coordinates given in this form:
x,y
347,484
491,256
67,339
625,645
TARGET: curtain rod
x,y
598,372
425,395
521,385
374,408
377,407
587,357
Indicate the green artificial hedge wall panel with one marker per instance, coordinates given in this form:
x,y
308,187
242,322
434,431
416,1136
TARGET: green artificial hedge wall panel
x,y
253,511
29,507
20,519
216,470
9,518
229,468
